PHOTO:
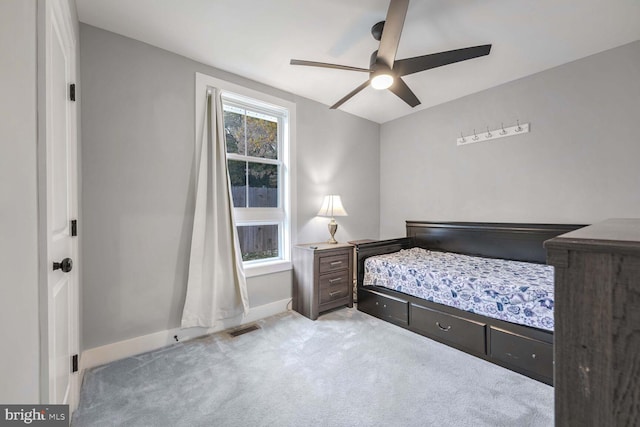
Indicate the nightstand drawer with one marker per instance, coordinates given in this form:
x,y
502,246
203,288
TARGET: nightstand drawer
x,y
333,293
333,280
334,262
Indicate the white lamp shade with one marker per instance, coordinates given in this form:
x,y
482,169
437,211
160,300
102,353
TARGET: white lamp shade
x,y
332,206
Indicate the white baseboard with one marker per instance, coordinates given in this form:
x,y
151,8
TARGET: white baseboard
x,y
119,350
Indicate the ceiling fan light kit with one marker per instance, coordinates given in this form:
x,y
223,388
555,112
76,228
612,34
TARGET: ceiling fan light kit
x,y
381,81
385,71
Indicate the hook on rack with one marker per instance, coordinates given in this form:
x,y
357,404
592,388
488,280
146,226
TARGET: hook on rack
x,y
500,132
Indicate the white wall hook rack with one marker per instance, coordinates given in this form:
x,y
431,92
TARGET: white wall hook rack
x,y
501,132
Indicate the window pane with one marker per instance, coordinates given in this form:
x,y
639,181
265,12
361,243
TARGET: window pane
x,y
262,137
258,241
238,177
234,130
263,185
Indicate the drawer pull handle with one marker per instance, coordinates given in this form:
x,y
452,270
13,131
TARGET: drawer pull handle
x,y
331,294
442,328
338,279
334,263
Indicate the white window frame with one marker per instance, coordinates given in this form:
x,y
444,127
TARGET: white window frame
x,y
286,185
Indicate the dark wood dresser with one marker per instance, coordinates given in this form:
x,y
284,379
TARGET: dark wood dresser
x,y
597,324
322,277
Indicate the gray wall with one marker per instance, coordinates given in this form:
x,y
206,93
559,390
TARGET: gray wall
x,y
137,159
19,357
337,154
579,164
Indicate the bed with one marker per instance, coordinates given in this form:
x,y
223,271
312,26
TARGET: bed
x,y
483,288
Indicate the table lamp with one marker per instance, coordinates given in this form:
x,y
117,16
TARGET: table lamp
x,y
332,207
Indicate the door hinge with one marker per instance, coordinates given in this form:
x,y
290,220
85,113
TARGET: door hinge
x,y
74,363
72,91
74,227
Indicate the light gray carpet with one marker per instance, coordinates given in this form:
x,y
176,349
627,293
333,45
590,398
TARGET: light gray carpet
x,y
344,369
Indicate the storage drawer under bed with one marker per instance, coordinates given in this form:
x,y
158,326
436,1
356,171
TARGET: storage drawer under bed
x,y
456,331
529,355
386,308
522,352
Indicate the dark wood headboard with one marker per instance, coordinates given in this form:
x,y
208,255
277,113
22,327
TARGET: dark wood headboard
x,y
513,241
520,242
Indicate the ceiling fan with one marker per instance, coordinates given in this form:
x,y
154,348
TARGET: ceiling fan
x,y
385,72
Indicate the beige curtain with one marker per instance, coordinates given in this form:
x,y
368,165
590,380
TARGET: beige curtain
x,y
216,286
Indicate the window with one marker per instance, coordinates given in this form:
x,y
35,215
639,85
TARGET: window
x,y
258,133
253,135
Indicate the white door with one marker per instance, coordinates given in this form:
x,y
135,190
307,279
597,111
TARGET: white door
x,y
62,201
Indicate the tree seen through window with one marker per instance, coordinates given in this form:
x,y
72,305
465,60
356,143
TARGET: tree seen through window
x,y
254,166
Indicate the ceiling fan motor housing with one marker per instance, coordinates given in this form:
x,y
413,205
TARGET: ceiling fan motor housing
x,y
376,30
373,60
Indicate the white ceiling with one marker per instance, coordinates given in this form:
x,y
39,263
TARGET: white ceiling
x,y
257,38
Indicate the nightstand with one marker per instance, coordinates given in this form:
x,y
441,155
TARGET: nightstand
x,y
322,277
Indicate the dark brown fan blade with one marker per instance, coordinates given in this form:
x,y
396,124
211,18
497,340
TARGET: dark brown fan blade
x,y
325,65
350,95
400,88
392,31
403,67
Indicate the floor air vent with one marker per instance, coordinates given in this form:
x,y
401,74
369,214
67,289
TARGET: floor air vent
x,y
243,331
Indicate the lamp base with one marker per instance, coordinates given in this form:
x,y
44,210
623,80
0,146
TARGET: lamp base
x,y
333,227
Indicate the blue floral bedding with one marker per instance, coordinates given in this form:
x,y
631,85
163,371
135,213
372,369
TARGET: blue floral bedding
x,y
517,292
